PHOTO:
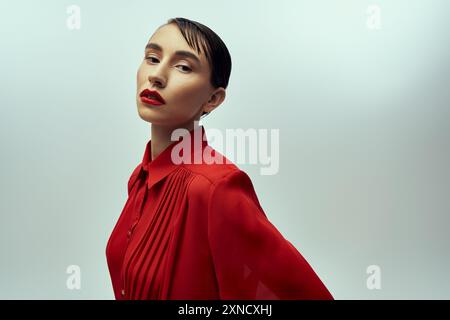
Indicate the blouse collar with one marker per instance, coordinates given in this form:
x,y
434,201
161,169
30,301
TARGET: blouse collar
x,y
162,165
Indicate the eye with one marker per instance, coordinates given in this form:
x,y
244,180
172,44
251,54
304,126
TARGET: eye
x,y
181,65
150,57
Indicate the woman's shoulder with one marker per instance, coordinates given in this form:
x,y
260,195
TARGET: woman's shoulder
x,y
226,180
211,167
215,170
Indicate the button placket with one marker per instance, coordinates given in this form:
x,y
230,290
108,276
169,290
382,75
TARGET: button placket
x,y
138,204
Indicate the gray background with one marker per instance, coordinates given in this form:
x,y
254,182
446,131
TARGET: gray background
x,y
363,117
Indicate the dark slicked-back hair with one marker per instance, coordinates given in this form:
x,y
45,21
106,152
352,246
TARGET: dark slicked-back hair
x,y
203,40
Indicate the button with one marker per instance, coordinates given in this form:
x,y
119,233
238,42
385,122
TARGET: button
x,y
129,233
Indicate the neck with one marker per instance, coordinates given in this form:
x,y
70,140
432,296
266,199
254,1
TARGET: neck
x,y
161,136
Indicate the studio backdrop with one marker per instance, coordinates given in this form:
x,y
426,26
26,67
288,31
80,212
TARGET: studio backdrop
x,y
353,95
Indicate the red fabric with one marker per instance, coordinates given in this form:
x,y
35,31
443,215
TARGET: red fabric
x,y
197,231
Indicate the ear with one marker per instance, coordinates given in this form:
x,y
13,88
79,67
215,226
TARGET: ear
x,y
216,98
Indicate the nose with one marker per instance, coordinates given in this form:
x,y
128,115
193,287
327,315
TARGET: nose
x,y
156,79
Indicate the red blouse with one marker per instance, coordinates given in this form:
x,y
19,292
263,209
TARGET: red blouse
x,y
197,231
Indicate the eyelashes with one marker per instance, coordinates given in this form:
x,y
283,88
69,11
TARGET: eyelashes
x,y
181,65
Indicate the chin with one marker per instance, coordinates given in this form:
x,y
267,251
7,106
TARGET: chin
x,y
153,116
148,114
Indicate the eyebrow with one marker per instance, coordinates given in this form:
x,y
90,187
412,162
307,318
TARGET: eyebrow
x,y
182,53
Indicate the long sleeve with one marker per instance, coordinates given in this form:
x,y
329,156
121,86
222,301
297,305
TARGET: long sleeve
x,y
252,260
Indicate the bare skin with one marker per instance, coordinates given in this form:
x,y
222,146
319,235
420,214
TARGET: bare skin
x,y
181,81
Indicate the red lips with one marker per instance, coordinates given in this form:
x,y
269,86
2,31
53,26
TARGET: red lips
x,y
151,97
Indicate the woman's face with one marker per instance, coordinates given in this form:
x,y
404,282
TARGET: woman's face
x,y
182,81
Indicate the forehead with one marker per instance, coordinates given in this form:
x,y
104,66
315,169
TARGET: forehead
x,y
170,39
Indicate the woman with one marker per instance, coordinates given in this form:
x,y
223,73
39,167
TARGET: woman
x,y
195,229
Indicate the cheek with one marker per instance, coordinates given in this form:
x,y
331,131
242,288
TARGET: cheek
x,y
140,75
192,93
